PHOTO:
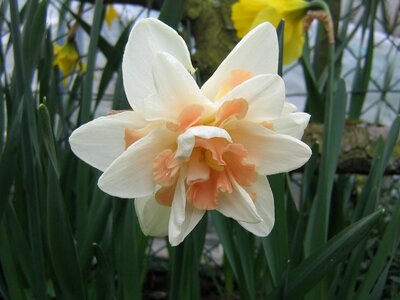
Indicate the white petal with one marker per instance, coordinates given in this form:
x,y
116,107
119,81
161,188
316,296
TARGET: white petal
x,y
265,95
186,141
147,38
265,207
289,108
101,141
184,216
175,87
271,152
256,53
131,175
292,124
153,217
238,205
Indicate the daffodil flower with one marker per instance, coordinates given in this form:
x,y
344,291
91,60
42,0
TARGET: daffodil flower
x,y
111,15
66,58
185,150
247,14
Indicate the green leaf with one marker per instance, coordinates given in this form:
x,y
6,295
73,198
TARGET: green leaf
x,y
224,228
312,270
171,12
275,245
61,242
85,115
60,239
47,136
363,72
8,160
98,214
317,229
9,267
185,264
104,275
387,249
130,270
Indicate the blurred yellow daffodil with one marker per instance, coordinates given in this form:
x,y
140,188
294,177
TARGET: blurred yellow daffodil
x,y
111,15
247,14
66,57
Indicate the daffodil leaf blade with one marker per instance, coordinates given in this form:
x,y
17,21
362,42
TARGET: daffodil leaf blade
x,y
8,160
186,257
363,72
246,256
225,234
47,136
12,278
317,229
132,263
387,248
19,244
312,270
171,12
365,205
276,244
99,211
61,242
85,113
104,274
224,228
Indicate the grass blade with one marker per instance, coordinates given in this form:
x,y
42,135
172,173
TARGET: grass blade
x,y
312,270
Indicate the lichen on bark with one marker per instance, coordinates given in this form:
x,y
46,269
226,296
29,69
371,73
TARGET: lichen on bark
x,y
213,31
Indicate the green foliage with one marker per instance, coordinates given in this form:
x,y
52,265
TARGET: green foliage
x,y
62,238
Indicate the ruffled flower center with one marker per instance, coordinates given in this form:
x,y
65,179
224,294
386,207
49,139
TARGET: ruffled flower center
x,y
213,165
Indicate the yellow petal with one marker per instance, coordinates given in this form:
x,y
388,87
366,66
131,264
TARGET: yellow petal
x,y
65,57
247,14
293,42
243,14
111,15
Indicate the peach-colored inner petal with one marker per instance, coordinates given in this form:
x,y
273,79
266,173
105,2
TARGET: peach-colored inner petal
x,y
203,194
197,167
224,161
190,116
243,172
165,168
233,109
213,149
235,78
165,195
131,136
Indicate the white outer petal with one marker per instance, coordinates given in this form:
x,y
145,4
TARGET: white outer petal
x,y
265,207
265,95
257,53
175,87
131,174
289,108
147,38
101,141
184,216
153,217
292,124
271,152
238,205
186,140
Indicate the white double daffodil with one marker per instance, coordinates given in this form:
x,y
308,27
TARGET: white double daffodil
x,y
184,150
